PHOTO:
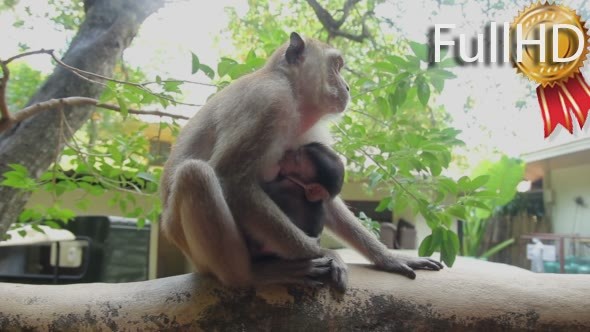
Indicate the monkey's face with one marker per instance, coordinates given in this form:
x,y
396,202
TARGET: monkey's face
x,y
337,92
315,68
296,163
322,80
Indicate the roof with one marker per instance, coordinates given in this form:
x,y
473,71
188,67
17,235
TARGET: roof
x,y
565,155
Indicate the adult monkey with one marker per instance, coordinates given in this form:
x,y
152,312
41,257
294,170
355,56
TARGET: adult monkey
x,y
211,190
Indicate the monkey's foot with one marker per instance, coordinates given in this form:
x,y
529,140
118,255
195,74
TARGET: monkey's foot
x,y
406,265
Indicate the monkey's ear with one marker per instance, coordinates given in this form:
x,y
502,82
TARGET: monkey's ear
x,y
315,192
294,52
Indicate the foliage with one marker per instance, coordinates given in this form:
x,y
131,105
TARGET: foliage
x,y
68,14
503,177
8,4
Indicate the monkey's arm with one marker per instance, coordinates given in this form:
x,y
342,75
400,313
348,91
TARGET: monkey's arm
x,y
344,224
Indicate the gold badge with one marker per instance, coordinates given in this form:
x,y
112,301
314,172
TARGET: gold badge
x,y
555,47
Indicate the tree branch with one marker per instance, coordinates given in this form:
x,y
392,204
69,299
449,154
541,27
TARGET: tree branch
x,y
85,75
179,81
7,120
34,109
4,114
333,26
22,55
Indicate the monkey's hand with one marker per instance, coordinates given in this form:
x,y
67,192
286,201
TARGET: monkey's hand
x,y
338,270
308,272
406,265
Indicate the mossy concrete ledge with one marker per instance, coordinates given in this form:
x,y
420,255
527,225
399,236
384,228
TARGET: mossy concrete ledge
x,y
473,295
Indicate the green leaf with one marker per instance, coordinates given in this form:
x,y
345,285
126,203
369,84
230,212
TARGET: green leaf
x,y
123,106
420,50
109,93
52,224
463,184
443,53
207,70
438,84
385,67
147,176
448,185
425,246
195,63
225,65
91,189
478,182
477,204
457,211
133,94
400,94
431,218
441,73
393,103
437,238
487,194
18,178
37,228
172,86
447,63
435,169
397,61
59,213
450,247
239,70
19,169
504,176
400,203
384,204
383,106
423,90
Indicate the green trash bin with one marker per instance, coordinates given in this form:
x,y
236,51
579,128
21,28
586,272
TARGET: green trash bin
x,y
571,268
584,269
551,267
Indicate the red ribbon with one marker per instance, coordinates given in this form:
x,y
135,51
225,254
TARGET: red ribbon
x,y
559,100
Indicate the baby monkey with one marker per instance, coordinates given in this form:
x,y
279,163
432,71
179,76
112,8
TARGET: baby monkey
x,y
308,176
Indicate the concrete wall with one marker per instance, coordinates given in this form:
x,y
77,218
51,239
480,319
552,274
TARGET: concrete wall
x,y
566,184
472,296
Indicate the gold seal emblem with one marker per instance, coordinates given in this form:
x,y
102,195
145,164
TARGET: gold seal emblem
x,y
551,46
550,71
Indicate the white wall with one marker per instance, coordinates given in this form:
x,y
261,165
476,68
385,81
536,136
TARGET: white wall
x,y
566,185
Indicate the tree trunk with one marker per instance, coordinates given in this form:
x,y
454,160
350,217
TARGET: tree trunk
x,y
108,29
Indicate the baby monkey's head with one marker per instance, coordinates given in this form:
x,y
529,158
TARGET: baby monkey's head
x,y
316,168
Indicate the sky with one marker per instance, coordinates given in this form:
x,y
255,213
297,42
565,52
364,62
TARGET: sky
x,y
492,121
